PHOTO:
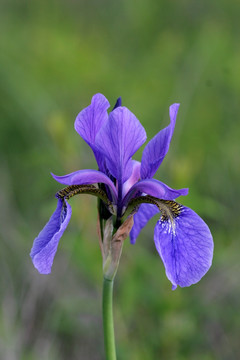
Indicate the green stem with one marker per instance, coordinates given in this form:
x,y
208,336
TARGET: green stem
x,y
108,328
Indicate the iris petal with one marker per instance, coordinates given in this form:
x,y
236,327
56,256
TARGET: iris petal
x,y
154,188
86,177
90,120
185,246
157,148
141,218
135,176
118,140
45,245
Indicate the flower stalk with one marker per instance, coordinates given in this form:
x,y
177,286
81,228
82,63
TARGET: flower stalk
x,y
111,248
108,326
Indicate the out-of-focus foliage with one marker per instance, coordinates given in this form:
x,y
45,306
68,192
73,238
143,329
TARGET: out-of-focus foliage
x,y
54,55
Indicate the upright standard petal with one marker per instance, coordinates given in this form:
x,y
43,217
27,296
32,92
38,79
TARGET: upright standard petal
x,y
86,177
118,140
90,120
185,245
141,218
157,148
135,176
45,245
154,188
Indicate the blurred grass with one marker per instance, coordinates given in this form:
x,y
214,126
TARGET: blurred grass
x,y
54,56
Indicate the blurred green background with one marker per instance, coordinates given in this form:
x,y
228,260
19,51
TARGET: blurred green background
x,y
54,55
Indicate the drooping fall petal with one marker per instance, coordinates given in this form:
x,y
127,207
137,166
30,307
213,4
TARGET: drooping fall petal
x,y
46,243
185,246
141,218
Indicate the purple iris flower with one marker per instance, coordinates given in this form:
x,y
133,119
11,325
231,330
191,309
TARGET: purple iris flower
x,y
126,187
